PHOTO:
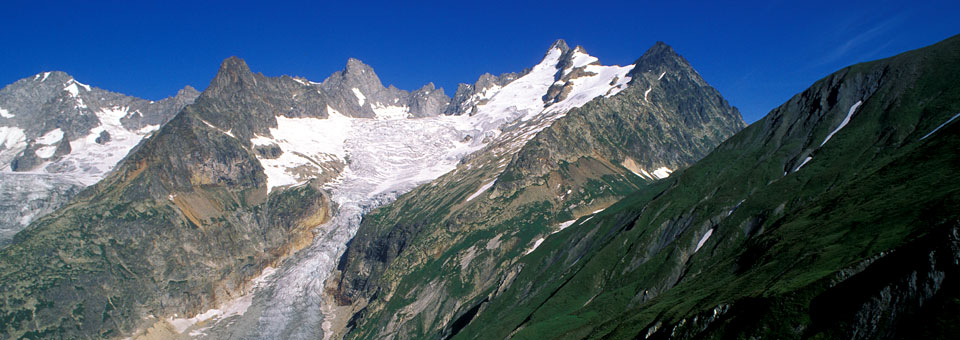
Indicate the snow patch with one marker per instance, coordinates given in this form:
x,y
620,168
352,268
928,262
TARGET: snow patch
x,y
51,137
941,125
5,114
482,189
360,97
803,163
535,245
564,225
12,136
26,219
72,88
661,75
662,172
84,86
46,151
587,88
645,93
45,75
703,240
844,122
304,142
581,59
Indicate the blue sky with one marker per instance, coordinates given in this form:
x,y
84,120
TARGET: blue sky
x,y
757,54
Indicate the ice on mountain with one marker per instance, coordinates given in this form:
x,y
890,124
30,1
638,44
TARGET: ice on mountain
x,y
5,114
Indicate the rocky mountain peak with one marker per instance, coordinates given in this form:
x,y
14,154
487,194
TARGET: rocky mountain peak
x,y
357,65
561,44
357,74
428,87
660,54
53,77
233,65
233,72
661,59
188,91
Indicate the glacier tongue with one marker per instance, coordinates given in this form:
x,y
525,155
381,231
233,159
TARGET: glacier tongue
x,y
384,159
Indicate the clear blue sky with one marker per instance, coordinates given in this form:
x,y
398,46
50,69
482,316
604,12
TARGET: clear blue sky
x,y
757,54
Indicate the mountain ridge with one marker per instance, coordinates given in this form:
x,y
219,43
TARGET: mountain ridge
x,y
226,186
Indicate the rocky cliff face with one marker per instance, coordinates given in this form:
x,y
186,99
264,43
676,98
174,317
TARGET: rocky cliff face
x,y
58,135
419,265
832,217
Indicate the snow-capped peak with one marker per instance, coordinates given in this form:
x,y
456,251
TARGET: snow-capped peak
x,y
305,153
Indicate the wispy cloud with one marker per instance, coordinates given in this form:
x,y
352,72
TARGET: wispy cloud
x,y
862,40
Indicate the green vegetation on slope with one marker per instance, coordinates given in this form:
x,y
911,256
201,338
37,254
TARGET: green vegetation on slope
x,y
848,246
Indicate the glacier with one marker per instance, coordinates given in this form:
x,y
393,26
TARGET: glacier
x,y
382,158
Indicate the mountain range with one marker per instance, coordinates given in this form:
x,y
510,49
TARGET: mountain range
x,y
567,200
